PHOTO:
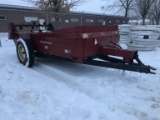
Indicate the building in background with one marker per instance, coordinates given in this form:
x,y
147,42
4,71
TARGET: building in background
x,y
23,14
139,22
135,20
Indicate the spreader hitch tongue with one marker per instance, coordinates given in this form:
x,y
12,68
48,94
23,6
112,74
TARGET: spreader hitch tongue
x,y
152,68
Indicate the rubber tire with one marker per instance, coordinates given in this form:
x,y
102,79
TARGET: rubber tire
x,y
28,51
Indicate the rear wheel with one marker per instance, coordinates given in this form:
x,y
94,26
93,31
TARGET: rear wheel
x,y
25,52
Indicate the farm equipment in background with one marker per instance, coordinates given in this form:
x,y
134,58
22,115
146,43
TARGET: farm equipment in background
x,y
92,45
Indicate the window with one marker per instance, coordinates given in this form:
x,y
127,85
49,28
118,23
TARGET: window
x,y
89,20
55,19
100,21
66,21
2,17
104,22
30,19
58,19
118,21
74,19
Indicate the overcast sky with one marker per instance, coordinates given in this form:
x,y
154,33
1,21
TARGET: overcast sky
x,y
92,6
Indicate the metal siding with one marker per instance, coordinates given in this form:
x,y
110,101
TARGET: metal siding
x,y
17,16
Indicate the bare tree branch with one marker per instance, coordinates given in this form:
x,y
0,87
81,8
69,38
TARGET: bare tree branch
x,y
155,11
144,8
121,5
55,5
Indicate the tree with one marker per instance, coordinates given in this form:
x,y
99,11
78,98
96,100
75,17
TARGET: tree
x,y
155,11
143,7
55,5
124,6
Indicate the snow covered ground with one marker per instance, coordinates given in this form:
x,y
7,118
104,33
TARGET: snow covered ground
x,y
58,90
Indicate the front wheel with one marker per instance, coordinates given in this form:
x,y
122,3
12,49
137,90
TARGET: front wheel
x,y
25,52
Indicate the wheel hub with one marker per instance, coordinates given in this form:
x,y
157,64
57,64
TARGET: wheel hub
x,y
21,52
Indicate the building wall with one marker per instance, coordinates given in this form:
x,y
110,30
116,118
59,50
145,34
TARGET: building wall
x,y
58,20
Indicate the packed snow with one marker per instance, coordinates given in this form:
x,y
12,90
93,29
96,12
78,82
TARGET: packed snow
x,y
60,90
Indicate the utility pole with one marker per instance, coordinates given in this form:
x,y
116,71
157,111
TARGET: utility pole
x,y
82,18
0,43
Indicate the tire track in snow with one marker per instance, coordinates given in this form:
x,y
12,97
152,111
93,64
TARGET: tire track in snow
x,y
60,77
70,81
67,80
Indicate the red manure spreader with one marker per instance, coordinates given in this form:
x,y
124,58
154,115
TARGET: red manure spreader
x,y
92,45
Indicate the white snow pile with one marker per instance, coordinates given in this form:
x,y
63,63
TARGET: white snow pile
x,y
59,90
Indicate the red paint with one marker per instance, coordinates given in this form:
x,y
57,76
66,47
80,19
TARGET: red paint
x,y
76,43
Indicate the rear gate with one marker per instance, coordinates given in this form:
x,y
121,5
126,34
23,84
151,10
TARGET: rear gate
x,y
97,40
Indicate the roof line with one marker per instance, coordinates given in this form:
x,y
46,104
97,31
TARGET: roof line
x,y
18,7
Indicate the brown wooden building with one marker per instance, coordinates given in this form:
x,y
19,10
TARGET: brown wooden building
x,y
21,14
